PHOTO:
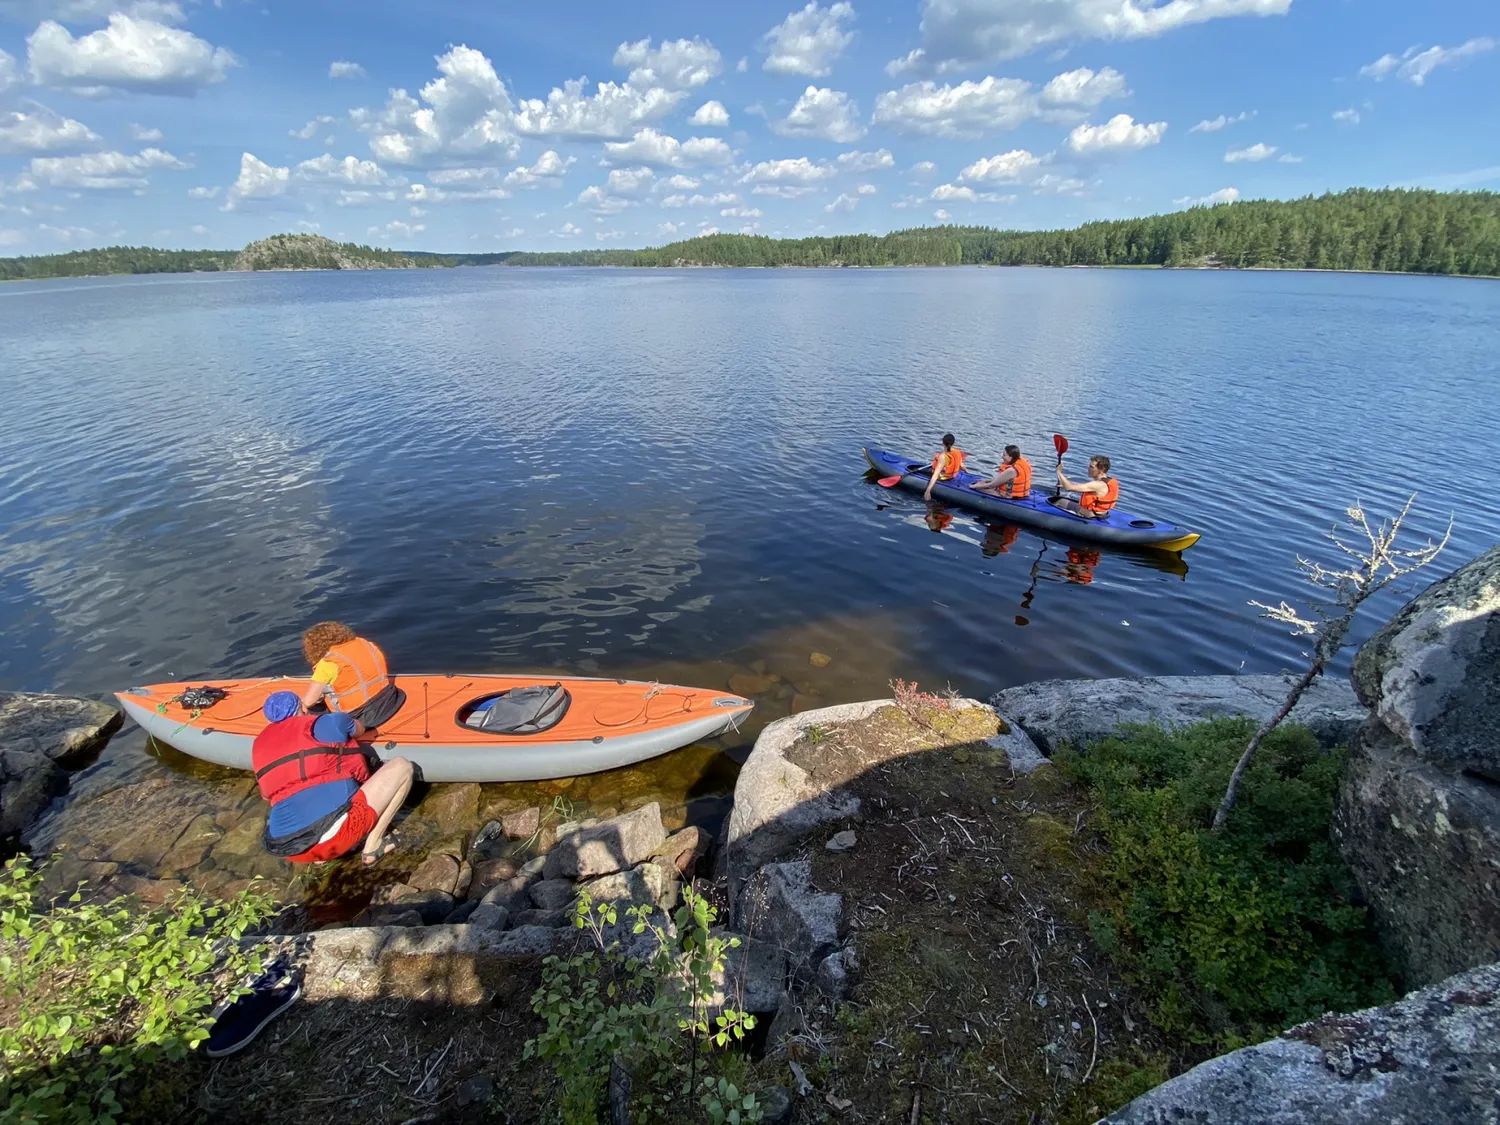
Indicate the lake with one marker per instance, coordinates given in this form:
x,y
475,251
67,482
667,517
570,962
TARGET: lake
x,y
659,473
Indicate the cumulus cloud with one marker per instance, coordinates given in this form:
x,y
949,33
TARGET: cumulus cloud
x,y
350,170
1006,168
718,199
808,41
740,212
1121,133
678,64
941,215
661,151
1253,154
960,33
948,192
624,187
787,178
828,115
843,203
1085,88
204,192
129,54
1348,116
44,131
310,130
465,115
1214,124
395,229
459,185
568,230
345,70
1213,198
547,168
923,168
613,112
145,134
856,161
1415,64
680,182
965,111
102,171
257,181
710,115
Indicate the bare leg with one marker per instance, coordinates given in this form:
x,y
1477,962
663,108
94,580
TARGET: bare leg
x,y
385,792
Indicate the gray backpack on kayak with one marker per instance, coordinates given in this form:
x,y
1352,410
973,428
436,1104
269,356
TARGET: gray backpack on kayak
x,y
523,710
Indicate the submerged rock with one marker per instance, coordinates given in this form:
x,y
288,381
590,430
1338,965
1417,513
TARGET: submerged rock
x,y
454,808
39,735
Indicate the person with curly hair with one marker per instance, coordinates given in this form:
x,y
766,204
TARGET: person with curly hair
x,y
349,675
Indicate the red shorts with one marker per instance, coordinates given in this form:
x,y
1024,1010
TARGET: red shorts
x,y
357,824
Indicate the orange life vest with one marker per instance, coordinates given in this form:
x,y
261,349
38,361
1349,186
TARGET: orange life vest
x,y
948,465
1020,486
1100,505
287,758
362,674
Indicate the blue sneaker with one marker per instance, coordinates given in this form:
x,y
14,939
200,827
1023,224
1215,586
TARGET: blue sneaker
x,y
237,1022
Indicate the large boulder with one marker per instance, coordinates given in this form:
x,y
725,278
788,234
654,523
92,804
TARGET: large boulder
x,y
780,906
1424,844
1082,711
1429,1059
28,782
60,728
1433,673
608,846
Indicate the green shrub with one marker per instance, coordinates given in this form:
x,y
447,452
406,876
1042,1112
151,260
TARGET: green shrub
x,y
94,997
1241,934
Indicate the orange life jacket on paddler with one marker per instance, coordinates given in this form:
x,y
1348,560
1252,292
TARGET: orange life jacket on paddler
x,y
949,464
362,674
287,758
1100,506
1020,486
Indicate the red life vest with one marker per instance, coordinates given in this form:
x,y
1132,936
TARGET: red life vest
x,y
287,758
1100,505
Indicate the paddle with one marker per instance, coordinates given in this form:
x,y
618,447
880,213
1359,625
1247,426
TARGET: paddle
x,y
889,482
1059,443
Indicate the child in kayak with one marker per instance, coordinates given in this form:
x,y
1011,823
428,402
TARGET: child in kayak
x,y
1012,480
1096,496
946,464
349,674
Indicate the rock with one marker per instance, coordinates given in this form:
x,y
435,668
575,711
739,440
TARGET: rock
x,y
1424,844
390,893
1432,674
196,839
804,701
490,831
453,807
435,873
151,892
388,916
59,728
242,845
489,872
553,894
785,1024
775,1105
833,973
1083,711
608,846
28,782
510,894
1019,750
820,660
488,916
1431,1057
648,883
462,913
522,825
682,850
776,803
476,1091
778,905
433,906
749,684
532,869
753,978
465,878
540,917
841,841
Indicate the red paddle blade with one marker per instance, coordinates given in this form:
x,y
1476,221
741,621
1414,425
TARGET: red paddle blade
x,y
1060,443
889,482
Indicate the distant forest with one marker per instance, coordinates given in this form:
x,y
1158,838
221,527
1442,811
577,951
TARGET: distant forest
x,y
1387,230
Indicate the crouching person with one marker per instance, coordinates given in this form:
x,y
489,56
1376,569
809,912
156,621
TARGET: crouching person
x,y
324,799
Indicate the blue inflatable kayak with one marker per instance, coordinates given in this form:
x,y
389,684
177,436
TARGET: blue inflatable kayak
x,y
1120,529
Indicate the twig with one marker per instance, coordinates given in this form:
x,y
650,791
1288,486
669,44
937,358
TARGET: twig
x,y
1094,1055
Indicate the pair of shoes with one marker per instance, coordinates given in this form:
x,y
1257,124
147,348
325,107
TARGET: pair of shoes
x,y
240,1020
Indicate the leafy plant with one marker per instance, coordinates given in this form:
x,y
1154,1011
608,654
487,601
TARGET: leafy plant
x,y
1238,933
602,1005
93,996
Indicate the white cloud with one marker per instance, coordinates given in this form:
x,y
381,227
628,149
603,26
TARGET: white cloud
x,y
787,178
308,131
65,234
396,228
145,134
1083,87
678,64
624,187
102,171
568,230
844,203
204,192
669,228
808,41
967,110
1052,183
828,115
923,168
257,180
198,229
350,170
1348,116
1415,64
130,54
88,11
1253,154
612,112
1288,158
941,215
959,33
740,213
661,151
465,115
681,183
1223,195
718,199
547,168
1010,167
10,75
947,192
710,115
459,185
43,131
342,69
856,161
1121,133
1214,124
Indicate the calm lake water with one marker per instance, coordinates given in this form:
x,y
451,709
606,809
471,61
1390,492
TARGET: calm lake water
x,y
658,473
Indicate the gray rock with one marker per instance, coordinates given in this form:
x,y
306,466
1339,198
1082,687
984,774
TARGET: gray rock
x,y
61,729
433,906
539,918
650,883
753,978
435,873
609,846
488,916
1424,844
1083,711
522,825
462,913
1431,1058
465,879
510,894
28,782
477,1090
491,830
536,941
778,905
532,869
842,841
785,1024
1433,673
487,873
388,916
776,804
683,849
775,1105
553,894
832,977
1019,749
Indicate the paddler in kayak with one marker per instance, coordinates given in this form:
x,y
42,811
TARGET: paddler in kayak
x,y
947,463
1012,480
1096,496
349,674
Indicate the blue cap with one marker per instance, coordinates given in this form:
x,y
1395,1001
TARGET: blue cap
x,y
281,705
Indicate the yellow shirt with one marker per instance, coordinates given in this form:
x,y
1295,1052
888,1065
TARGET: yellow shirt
x,y
325,672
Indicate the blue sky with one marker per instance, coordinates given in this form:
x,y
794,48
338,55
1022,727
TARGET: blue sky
x,y
484,126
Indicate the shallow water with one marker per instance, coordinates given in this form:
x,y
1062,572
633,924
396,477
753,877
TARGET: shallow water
x,y
658,474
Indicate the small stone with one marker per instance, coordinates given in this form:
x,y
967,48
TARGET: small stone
x,y
553,894
511,894
492,830
488,916
488,872
461,913
532,869
820,660
477,1090
522,825
841,841
684,849
465,878
435,873
551,918
775,1106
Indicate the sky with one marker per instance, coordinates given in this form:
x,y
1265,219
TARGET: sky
x,y
480,126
